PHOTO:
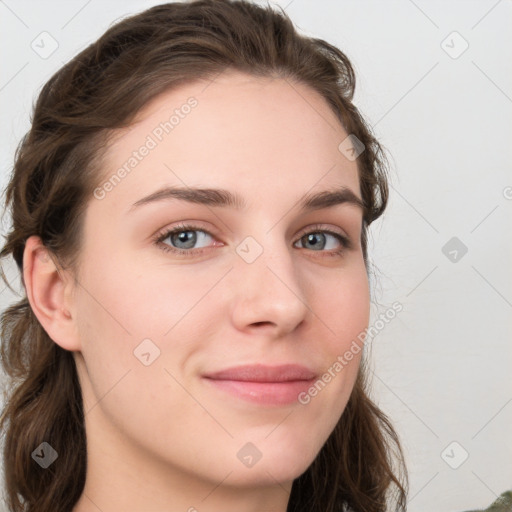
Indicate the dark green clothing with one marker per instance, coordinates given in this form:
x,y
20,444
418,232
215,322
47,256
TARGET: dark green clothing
x,y
502,504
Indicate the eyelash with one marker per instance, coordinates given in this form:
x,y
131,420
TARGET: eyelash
x,y
158,239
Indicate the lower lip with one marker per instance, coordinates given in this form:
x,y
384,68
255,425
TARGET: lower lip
x,y
265,393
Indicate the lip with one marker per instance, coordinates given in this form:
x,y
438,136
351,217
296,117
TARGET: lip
x,y
261,384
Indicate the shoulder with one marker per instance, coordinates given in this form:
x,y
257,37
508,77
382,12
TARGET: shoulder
x,y
502,504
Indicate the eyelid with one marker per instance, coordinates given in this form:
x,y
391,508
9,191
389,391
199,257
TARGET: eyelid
x,y
321,227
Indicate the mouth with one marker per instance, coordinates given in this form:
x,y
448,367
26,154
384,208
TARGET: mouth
x,y
264,385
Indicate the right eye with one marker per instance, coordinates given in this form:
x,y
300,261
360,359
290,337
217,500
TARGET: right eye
x,y
182,234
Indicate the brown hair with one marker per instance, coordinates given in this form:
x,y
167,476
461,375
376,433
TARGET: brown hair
x,y
57,167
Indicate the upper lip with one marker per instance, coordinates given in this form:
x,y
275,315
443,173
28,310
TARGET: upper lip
x,y
263,373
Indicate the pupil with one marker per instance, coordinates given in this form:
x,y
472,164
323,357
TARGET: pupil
x,y
313,238
186,236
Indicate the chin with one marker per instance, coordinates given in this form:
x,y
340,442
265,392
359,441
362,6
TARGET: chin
x,y
277,463
269,474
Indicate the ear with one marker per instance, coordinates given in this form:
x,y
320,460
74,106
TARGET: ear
x,y
48,290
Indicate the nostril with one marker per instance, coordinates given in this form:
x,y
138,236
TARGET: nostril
x,y
261,323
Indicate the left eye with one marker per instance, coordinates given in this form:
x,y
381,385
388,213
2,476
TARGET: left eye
x,y
185,238
319,238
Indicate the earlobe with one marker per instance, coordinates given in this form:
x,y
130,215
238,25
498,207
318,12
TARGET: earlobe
x,y
46,286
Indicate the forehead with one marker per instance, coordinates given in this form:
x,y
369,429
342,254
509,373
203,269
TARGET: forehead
x,y
237,131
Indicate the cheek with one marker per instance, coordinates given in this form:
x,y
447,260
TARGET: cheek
x,y
122,317
344,307
123,304
139,298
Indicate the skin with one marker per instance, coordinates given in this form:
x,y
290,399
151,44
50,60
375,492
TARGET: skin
x,y
158,438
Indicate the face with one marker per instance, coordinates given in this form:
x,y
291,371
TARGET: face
x,y
264,283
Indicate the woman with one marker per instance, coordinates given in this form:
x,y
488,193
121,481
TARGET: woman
x,y
190,213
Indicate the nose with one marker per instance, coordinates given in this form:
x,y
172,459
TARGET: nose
x,y
269,294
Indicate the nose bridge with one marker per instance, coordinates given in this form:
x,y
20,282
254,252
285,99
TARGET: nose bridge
x,y
268,286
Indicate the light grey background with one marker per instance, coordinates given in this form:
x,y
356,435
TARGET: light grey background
x,y
442,366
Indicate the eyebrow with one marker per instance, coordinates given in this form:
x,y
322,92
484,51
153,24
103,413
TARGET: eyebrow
x,y
226,198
